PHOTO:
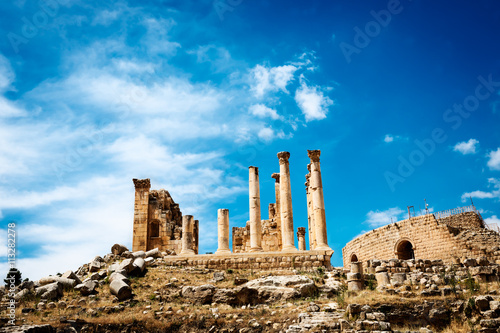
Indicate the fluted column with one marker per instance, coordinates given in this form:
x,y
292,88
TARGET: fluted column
x,y
301,236
223,231
276,177
318,201
310,211
255,221
286,203
187,235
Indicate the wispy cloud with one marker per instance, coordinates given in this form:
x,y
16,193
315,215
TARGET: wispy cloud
x,y
379,218
262,111
467,147
493,194
494,160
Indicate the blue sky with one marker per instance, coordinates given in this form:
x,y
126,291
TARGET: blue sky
x,y
402,98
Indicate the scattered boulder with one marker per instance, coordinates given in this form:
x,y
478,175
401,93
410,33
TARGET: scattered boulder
x,y
50,291
273,288
120,289
138,266
87,288
65,282
139,254
71,275
200,294
118,249
154,253
219,276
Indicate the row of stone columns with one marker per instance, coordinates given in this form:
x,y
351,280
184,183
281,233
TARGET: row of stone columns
x,y
284,211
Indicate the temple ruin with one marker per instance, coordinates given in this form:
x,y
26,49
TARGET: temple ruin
x,y
158,222
450,236
263,244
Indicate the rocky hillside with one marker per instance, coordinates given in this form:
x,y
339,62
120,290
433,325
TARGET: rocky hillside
x,y
138,292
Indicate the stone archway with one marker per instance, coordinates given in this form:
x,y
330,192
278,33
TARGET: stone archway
x,y
354,258
404,250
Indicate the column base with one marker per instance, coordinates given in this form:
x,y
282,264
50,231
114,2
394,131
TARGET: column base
x,y
187,253
256,249
289,248
222,252
322,247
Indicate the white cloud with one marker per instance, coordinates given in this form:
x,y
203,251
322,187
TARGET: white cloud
x,y
262,111
264,79
266,134
495,193
379,218
388,138
492,220
312,102
494,160
466,147
7,75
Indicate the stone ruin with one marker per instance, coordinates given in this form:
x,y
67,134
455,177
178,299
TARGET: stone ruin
x,y
158,223
451,236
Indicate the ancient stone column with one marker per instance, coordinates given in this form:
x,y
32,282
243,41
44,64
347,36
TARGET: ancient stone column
x,y
310,212
318,201
355,279
301,236
286,203
140,234
277,207
187,235
223,231
255,221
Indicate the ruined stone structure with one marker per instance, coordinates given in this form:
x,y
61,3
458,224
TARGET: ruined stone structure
x,y
277,232
262,244
450,236
158,221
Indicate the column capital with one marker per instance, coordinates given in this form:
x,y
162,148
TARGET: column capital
x,y
314,155
301,231
142,183
283,156
255,168
223,210
276,176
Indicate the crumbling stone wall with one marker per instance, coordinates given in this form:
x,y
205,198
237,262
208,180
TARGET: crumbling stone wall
x,y
271,235
450,239
306,260
157,220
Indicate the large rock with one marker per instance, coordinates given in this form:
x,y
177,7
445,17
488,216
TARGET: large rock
x,y
87,288
120,289
50,291
139,254
22,294
274,288
118,276
200,294
139,265
65,282
154,253
127,265
71,275
382,279
118,249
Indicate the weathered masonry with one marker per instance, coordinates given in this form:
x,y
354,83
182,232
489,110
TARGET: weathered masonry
x,y
277,232
261,244
158,222
450,235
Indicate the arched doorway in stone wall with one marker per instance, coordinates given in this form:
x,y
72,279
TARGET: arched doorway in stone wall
x,y
404,250
354,258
